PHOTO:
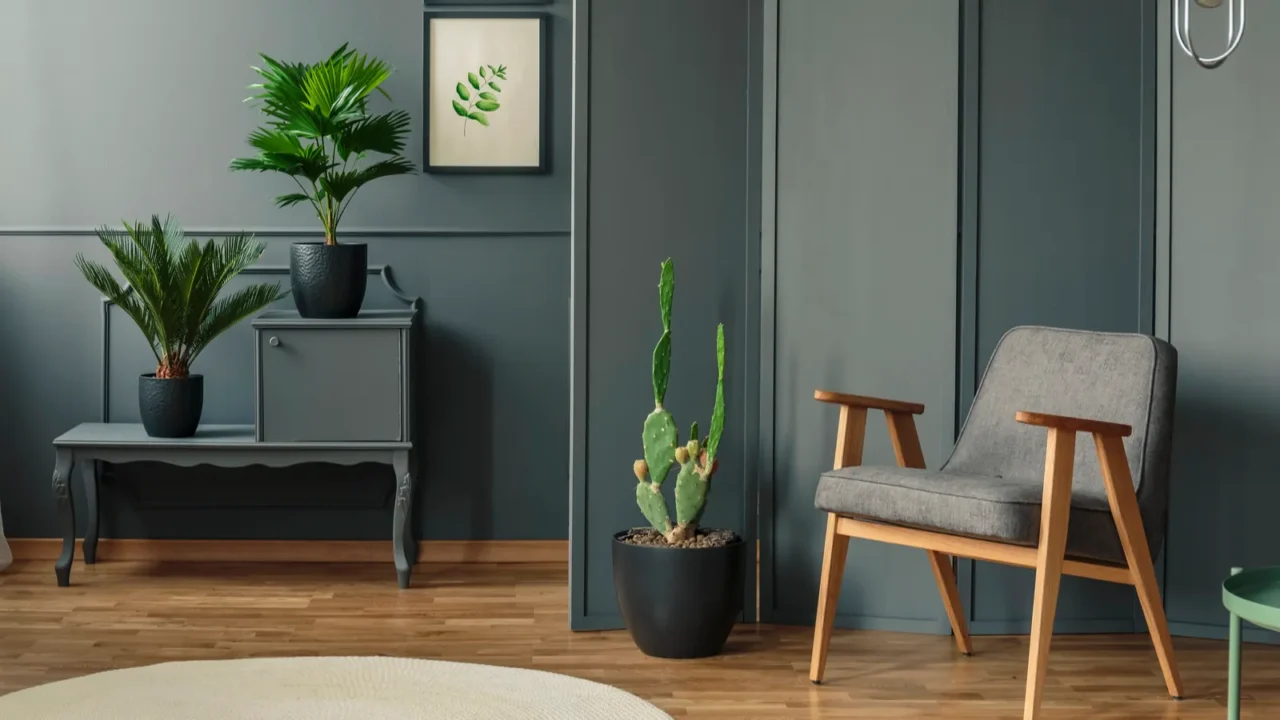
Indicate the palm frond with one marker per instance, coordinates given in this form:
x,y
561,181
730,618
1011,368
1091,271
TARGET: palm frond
x,y
292,199
317,114
340,85
275,141
378,133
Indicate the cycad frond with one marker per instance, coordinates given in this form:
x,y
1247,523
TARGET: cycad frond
x,y
173,285
232,308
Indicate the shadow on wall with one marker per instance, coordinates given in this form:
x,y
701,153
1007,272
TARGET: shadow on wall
x,y
455,428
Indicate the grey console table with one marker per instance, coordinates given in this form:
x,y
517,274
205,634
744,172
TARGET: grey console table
x,y
224,446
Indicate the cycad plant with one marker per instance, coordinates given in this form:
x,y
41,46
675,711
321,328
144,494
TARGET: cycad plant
x,y
174,287
319,129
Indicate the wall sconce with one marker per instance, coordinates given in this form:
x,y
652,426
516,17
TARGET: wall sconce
x,y
1182,28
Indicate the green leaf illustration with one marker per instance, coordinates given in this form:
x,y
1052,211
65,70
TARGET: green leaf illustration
x,y
483,100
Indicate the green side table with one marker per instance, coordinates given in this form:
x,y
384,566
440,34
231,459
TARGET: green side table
x,y
1252,595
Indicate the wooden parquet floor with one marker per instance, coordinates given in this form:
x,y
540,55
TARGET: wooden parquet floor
x,y
126,614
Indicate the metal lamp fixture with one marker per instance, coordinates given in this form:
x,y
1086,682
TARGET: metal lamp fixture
x,y
1182,28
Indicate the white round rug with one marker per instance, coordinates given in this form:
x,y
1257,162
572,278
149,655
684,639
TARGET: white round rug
x,y
325,688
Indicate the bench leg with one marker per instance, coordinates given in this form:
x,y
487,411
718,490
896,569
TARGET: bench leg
x,y
62,467
403,545
89,473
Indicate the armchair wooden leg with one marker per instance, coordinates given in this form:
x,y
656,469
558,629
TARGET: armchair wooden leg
x,y
834,554
1054,514
850,435
1133,537
946,578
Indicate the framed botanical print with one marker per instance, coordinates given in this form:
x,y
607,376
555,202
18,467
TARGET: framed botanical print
x,y
486,92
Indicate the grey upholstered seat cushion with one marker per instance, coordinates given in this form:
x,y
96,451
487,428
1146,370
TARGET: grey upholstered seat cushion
x,y
992,483
986,507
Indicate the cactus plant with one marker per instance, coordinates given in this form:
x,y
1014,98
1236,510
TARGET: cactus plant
x,y
662,448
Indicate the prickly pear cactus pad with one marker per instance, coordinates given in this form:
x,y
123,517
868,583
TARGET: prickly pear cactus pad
x,y
661,442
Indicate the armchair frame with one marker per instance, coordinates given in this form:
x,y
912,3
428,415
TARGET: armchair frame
x,y
1048,557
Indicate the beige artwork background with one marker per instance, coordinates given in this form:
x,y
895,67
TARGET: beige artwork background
x,y
461,45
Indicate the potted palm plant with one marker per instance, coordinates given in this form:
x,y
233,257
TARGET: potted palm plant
x,y
318,132
173,291
679,585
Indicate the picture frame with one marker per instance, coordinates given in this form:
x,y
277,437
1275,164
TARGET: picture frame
x,y
482,118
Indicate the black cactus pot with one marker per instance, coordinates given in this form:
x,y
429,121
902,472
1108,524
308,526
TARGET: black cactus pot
x,y
679,602
170,407
328,281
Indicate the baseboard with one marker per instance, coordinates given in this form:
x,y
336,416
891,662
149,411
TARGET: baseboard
x,y
308,551
596,622
922,626
1062,626
1249,633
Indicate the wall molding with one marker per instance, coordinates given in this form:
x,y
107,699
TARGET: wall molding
x,y
302,232
304,551
579,290
766,610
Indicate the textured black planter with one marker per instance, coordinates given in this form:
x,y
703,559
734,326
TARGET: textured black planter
x,y
679,603
328,280
170,407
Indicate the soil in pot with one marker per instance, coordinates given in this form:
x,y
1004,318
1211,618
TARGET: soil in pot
x,y
170,407
679,602
328,281
702,539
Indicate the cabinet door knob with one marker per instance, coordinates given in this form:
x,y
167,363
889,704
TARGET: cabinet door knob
x,y
274,341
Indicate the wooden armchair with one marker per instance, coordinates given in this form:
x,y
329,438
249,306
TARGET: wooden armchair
x,y
987,502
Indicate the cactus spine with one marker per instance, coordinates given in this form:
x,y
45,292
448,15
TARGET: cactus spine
x,y
662,447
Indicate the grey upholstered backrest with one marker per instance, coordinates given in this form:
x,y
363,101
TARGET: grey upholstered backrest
x,y
1118,377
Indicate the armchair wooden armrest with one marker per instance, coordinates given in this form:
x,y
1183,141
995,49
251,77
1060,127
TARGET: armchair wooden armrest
x,y
859,401
1074,424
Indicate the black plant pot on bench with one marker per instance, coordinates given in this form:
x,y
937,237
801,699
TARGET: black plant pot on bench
x,y
170,407
328,280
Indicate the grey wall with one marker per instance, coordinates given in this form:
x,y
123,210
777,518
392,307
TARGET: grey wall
x,y
1218,305
864,278
664,113
1065,141
1004,175
145,121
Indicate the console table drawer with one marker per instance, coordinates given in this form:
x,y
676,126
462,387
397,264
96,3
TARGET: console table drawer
x,y
331,384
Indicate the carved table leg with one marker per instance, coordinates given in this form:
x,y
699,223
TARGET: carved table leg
x,y
410,542
89,472
402,520
66,514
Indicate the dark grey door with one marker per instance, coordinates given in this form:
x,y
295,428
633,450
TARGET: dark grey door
x,y
330,385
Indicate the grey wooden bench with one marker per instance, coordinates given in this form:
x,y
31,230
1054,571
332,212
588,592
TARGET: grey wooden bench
x,y
223,446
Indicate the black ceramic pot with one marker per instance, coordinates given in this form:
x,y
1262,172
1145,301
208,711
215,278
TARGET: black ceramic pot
x,y
328,280
170,407
679,603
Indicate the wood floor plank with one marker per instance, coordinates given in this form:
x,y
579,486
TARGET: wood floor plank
x,y
124,614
